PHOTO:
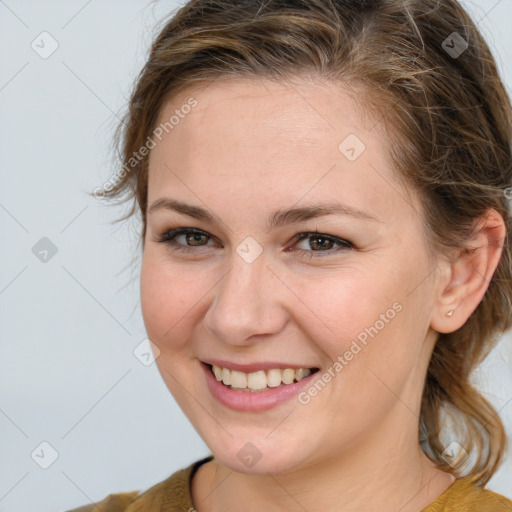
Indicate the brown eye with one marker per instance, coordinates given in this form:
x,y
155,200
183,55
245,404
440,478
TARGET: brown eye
x,y
185,239
195,239
320,244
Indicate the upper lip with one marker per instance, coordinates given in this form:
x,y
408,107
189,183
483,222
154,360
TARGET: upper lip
x,y
253,367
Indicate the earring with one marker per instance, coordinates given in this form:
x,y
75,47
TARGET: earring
x,y
450,313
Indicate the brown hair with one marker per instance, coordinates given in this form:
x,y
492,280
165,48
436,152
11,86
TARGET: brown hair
x,y
452,141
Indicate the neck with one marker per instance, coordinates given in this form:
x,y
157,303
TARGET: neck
x,y
380,476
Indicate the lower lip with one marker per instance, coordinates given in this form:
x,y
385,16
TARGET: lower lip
x,y
257,401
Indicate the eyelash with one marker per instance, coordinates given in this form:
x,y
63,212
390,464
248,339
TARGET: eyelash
x,y
169,238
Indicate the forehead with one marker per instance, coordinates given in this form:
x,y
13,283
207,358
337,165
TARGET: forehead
x,y
274,140
306,111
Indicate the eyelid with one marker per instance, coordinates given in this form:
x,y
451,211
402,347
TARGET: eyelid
x,y
169,237
341,242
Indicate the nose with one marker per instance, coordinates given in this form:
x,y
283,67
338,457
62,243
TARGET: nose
x,y
248,303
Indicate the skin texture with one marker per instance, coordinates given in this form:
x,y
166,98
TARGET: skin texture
x,y
247,149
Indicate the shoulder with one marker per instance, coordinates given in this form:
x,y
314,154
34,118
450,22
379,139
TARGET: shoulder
x,y
465,496
112,503
169,495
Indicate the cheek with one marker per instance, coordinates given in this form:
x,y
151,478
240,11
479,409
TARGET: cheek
x,y
167,302
366,319
347,305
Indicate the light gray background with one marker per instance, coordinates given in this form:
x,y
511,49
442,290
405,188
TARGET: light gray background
x,y
69,326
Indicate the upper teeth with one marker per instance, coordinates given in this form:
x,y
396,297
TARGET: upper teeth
x,y
259,380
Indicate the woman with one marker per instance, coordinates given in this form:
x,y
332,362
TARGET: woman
x,y
326,257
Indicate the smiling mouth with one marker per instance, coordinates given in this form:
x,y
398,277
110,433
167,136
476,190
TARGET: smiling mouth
x,y
262,380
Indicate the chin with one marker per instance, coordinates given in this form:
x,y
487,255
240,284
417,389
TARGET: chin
x,y
261,456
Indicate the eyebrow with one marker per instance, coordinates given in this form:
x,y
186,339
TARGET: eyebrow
x,y
277,219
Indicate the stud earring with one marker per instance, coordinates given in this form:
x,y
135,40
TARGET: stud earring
x,y
450,313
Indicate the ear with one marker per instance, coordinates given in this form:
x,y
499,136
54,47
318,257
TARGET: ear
x,y
468,275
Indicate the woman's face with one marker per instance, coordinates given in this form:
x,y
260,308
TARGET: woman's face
x,y
254,165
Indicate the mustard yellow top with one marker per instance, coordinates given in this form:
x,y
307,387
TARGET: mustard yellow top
x,y
173,495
